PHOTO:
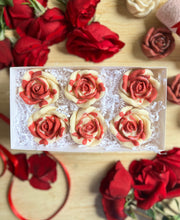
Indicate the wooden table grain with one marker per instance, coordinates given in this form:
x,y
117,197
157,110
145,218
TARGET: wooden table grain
x,y
87,170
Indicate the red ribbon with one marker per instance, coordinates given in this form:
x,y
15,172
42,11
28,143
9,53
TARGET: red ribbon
x,y
5,155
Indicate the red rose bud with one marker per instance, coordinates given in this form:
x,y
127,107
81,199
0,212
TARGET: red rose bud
x,y
158,43
6,58
20,13
80,12
50,26
173,89
152,182
94,42
30,52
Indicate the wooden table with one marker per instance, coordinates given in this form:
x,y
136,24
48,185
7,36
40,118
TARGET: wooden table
x,y
87,170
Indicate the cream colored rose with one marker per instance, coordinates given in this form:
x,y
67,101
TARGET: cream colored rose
x,y
84,88
87,126
47,125
141,8
39,88
139,87
131,126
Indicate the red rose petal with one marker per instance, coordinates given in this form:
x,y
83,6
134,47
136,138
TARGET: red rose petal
x,y
50,177
22,171
39,184
114,209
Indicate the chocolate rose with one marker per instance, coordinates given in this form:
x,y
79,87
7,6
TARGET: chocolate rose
x,y
47,125
131,126
158,43
39,87
50,27
141,8
84,88
151,182
6,58
29,51
173,89
139,87
114,188
87,126
80,12
94,42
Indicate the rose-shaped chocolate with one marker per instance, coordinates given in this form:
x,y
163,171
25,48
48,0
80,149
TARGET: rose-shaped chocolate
x,y
43,170
94,42
80,12
47,125
29,51
131,126
87,126
114,188
84,88
6,58
158,43
139,87
152,179
39,87
173,89
141,8
50,27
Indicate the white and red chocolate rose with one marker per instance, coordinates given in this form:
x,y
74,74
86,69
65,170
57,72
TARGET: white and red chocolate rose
x,y
84,88
131,126
139,87
39,88
47,125
87,126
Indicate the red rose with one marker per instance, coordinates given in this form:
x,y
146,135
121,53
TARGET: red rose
x,y
6,58
20,13
50,27
158,43
173,89
114,188
43,170
152,180
79,12
178,28
94,42
30,52
171,159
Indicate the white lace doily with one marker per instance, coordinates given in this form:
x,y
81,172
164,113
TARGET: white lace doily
x,y
109,106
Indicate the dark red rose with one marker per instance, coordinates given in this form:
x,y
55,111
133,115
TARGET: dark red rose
x,y
117,183
171,159
30,52
114,209
21,171
20,13
80,12
94,42
6,58
173,89
158,43
43,170
152,180
114,188
50,27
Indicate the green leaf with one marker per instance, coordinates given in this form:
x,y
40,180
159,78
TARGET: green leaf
x,y
151,213
9,2
176,217
159,206
165,218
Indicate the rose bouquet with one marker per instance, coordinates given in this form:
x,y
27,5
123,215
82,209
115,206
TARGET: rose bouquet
x,y
146,189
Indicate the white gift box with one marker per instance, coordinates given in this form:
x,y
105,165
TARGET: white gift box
x,y
109,106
